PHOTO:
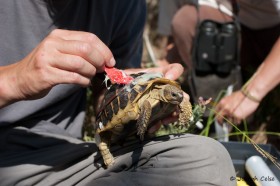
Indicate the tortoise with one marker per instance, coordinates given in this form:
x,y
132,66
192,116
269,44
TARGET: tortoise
x,y
133,108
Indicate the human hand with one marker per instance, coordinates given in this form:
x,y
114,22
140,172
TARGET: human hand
x,y
169,71
235,107
62,57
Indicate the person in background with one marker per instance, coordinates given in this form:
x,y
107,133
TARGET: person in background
x,y
50,51
260,31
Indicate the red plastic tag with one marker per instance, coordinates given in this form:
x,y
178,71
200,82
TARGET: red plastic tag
x,y
118,76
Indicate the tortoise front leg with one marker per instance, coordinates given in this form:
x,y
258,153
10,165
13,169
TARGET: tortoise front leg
x,y
143,120
185,113
103,145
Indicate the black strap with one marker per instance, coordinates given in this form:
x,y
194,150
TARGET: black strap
x,y
235,7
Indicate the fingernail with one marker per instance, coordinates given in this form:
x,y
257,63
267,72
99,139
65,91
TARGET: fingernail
x,y
112,62
169,76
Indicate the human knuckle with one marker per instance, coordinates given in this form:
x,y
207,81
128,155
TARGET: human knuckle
x,y
77,63
40,60
47,43
91,37
55,32
92,71
98,61
43,74
84,48
108,56
74,77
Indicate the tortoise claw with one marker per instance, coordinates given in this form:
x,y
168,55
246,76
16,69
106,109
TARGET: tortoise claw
x,y
141,135
109,160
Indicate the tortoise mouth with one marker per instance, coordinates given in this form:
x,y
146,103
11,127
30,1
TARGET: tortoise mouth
x,y
175,102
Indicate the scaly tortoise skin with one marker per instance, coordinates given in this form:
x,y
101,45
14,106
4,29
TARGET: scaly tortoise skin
x,y
148,98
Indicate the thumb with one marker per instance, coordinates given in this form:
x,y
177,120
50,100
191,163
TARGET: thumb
x,y
173,71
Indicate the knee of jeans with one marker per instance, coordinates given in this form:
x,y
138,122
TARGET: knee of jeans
x,y
216,151
217,160
210,149
214,157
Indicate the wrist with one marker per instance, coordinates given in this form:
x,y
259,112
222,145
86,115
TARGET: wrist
x,y
8,93
4,92
253,91
249,95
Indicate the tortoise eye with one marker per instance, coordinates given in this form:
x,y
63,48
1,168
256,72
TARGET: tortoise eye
x,y
173,94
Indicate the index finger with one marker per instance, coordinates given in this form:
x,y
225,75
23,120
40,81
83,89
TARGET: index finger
x,y
89,38
220,113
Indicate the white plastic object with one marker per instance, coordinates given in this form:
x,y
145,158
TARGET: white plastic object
x,y
260,172
222,130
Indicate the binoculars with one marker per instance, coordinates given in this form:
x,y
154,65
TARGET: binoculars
x,y
216,47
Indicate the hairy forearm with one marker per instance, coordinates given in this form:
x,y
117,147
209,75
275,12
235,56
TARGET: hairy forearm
x,y
268,74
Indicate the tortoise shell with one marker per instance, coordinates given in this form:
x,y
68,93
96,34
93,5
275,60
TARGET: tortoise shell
x,y
119,96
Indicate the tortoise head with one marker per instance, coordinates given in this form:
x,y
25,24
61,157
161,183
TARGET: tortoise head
x,y
172,94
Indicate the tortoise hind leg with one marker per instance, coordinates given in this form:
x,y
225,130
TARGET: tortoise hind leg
x,y
103,145
143,120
